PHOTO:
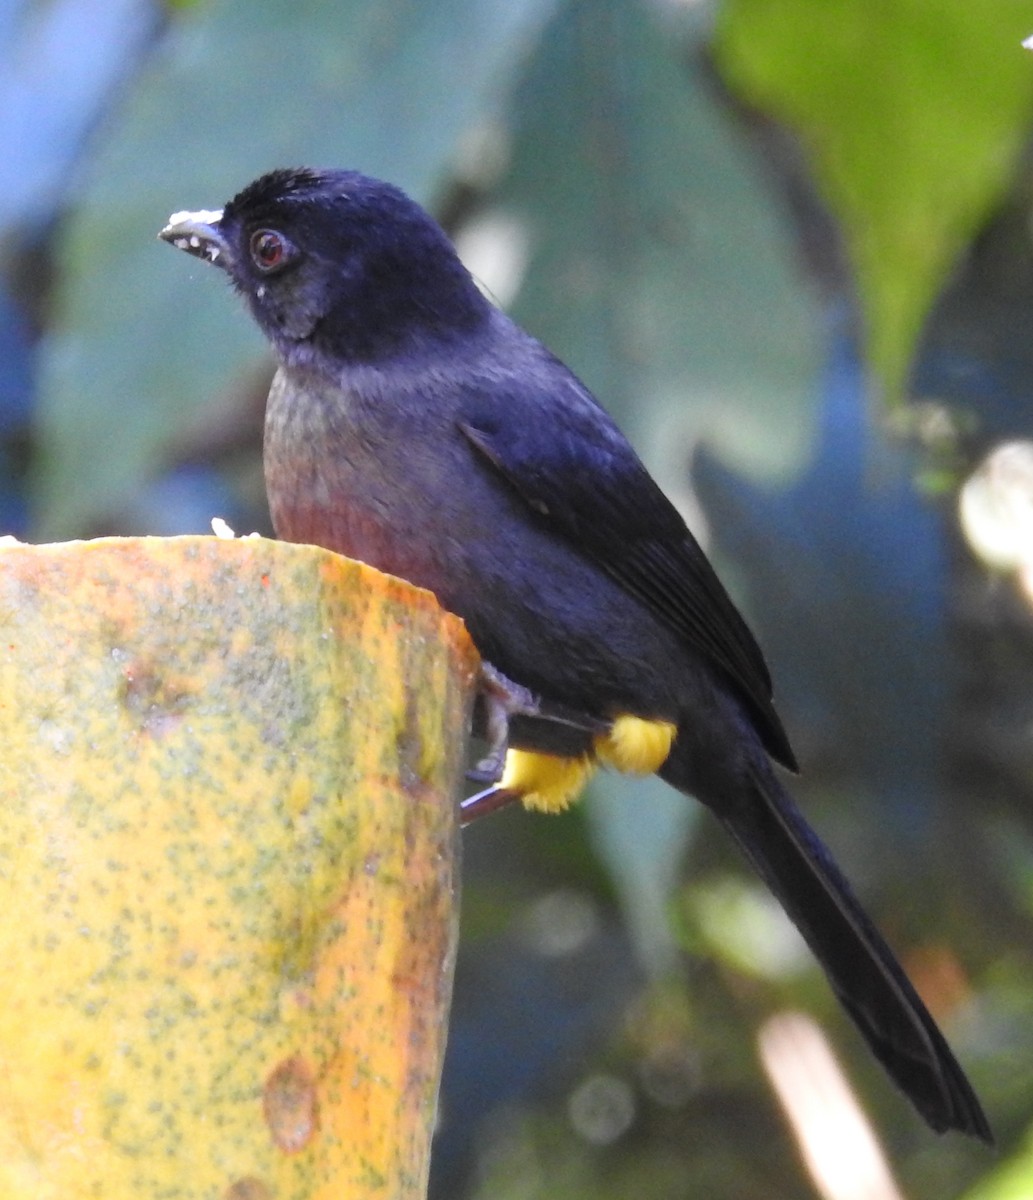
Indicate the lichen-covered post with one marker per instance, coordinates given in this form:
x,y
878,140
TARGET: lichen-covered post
x,y
228,774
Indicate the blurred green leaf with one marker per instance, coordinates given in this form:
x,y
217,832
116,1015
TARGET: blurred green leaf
x,y
742,925
662,266
913,113
145,338
639,830
1012,1180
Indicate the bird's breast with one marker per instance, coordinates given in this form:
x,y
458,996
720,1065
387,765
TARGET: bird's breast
x,y
398,487
362,481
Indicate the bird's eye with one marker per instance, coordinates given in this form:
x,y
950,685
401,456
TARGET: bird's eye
x,y
270,250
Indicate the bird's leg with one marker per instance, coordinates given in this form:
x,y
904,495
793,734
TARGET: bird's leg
x,y
500,698
545,731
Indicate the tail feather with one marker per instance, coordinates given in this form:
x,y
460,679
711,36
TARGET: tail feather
x,y
860,966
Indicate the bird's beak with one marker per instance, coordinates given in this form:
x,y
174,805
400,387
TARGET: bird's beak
x,y
198,234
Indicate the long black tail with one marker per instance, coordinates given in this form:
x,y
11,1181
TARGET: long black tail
x,y
862,969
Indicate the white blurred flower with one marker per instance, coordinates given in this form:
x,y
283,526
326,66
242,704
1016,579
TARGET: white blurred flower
x,y
996,510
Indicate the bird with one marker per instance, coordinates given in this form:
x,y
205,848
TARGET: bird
x,y
413,425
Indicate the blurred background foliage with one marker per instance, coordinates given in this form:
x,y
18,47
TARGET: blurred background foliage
x,y
788,243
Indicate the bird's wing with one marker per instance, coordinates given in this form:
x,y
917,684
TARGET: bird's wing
x,y
575,470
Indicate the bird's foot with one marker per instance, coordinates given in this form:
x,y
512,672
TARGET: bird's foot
x,y
500,698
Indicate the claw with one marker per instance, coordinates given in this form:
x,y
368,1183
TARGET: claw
x,y
488,769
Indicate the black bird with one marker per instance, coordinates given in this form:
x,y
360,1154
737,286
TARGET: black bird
x,y
412,425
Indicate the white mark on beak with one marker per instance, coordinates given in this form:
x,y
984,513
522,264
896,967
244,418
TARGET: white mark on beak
x,y
204,216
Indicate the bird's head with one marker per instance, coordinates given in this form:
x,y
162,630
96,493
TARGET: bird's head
x,y
336,261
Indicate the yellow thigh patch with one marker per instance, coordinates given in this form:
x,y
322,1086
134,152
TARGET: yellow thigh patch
x,y
549,783
636,745
546,782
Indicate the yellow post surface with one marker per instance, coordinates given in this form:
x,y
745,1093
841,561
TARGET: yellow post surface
x,y
228,776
